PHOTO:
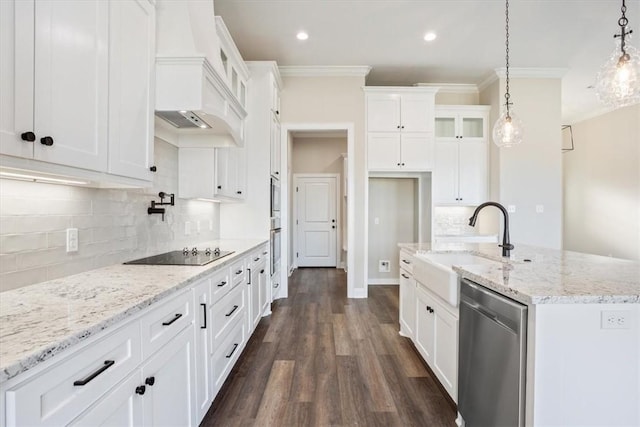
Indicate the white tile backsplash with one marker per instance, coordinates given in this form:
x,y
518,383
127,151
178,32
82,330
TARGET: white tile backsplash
x,y
113,224
453,221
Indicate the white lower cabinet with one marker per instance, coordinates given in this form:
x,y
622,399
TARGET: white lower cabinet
x,y
120,407
202,330
436,337
255,288
163,367
168,384
407,297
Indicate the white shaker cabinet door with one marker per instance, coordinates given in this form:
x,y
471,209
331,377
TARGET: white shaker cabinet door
x,y
16,78
132,57
168,378
71,83
120,407
473,172
416,151
202,328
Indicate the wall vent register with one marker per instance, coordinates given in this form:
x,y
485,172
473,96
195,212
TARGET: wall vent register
x,y
184,257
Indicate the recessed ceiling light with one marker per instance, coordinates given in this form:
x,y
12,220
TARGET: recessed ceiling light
x,y
430,36
302,35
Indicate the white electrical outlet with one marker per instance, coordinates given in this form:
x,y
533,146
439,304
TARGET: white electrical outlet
x,y
616,319
187,228
384,266
539,208
72,240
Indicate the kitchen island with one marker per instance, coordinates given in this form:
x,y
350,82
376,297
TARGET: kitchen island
x,y
583,340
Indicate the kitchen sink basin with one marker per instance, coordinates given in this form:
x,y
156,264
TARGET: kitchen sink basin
x,y
436,274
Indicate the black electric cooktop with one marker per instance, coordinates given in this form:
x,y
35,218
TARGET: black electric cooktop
x,y
183,257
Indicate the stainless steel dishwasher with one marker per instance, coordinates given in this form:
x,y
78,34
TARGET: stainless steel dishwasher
x,y
492,358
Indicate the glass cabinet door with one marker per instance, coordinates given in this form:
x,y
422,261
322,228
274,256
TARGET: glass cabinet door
x,y
445,127
473,127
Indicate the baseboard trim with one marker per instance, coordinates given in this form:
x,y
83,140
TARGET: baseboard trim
x,y
391,281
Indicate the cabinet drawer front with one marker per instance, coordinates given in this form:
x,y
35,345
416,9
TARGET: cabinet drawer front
x,y
226,312
220,284
406,263
226,355
52,399
238,272
165,322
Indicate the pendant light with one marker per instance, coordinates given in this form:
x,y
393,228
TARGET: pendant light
x,y
507,131
618,82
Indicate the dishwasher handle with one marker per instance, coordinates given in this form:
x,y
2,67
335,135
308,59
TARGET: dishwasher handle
x,y
491,316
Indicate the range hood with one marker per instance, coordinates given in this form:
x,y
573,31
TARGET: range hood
x,y
195,103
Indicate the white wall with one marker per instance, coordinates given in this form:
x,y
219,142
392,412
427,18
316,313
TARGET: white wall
x,y
334,100
530,174
602,185
393,202
113,225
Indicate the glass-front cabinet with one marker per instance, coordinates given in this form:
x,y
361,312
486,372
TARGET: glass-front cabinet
x,y
461,122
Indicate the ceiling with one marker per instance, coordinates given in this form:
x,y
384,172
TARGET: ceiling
x,y
387,35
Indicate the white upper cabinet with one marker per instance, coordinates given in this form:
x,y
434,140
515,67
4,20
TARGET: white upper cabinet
x,y
460,172
76,84
212,173
392,112
131,70
400,128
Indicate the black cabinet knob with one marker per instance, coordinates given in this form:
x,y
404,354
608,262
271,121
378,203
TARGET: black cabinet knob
x,y
398,164
278,112
239,192
47,140
402,164
28,136
150,381
219,187
277,173
153,169
401,127
398,126
141,389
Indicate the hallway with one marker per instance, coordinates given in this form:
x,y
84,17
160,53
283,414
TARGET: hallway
x,y
321,359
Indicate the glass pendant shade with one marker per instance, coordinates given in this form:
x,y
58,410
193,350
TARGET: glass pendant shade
x,y
508,130
618,82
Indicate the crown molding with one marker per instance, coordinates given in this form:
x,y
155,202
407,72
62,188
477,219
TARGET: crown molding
x,y
324,70
452,87
523,73
269,66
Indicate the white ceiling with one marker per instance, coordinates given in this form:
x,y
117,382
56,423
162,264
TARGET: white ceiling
x,y
388,36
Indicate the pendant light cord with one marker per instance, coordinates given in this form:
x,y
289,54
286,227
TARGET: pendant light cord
x,y
623,22
506,95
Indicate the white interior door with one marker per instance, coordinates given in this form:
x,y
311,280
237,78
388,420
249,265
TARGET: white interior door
x,y
317,222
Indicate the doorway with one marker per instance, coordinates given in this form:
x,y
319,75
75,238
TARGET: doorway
x,y
315,220
343,165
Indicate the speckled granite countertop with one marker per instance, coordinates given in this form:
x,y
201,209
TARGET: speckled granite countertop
x,y
551,276
41,320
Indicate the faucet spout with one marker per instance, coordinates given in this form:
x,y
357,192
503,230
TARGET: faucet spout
x,y
506,244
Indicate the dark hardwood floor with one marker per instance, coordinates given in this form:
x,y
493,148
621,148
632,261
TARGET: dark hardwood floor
x,y
324,360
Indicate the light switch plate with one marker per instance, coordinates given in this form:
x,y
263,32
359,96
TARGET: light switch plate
x,y
72,240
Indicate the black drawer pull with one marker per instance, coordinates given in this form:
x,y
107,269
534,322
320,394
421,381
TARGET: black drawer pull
x,y
232,351
107,365
265,252
405,276
239,272
221,284
262,271
256,259
204,314
405,261
235,307
176,317
249,281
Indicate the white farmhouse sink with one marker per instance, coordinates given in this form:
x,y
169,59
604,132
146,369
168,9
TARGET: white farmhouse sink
x,y
436,274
